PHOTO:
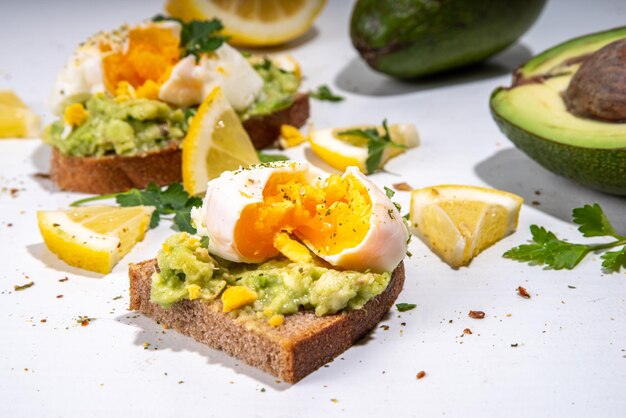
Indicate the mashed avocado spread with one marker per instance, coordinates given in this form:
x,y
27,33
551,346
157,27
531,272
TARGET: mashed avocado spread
x,y
188,271
279,89
119,127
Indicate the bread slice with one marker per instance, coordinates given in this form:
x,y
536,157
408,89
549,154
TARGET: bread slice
x,y
264,130
304,343
115,173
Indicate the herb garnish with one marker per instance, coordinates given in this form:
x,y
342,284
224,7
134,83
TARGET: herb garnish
x,y
376,144
546,249
197,36
323,93
170,200
403,307
270,158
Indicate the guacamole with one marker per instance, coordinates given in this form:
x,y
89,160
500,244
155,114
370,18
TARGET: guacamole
x,y
119,127
187,271
279,89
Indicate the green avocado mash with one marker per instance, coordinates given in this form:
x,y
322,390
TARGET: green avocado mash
x,y
279,89
282,286
124,128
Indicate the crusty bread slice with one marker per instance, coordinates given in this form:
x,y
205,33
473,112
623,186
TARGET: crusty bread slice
x,y
304,343
264,130
114,173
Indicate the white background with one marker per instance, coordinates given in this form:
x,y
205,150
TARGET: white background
x,y
570,359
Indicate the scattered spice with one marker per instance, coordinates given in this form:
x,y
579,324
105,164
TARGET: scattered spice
x,y
333,400
514,345
523,292
23,287
403,187
84,320
42,175
476,314
117,297
385,327
43,321
59,296
180,382
64,279
535,203
420,374
571,287
467,331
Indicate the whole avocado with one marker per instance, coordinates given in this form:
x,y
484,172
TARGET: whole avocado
x,y
414,38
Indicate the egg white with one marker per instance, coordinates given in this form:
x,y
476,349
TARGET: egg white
x,y
382,249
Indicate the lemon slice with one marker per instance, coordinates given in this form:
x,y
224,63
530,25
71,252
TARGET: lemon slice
x,y
458,222
341,152
16,119
216,142
94,238
252,22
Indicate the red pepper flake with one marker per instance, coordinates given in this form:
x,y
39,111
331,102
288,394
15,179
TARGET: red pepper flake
x,y
42,175
523,293
14,191
403,187
476,314
64,279
385,327
43,321
420,375
467,331
59,296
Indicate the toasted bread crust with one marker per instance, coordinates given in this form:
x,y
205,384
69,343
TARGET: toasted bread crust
x,y
304,343
114,173
264,130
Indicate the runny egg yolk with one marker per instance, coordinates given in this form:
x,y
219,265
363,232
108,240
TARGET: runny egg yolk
x,y
329,218
151,54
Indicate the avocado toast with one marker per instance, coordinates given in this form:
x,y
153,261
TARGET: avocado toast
x,y
126,99
287,275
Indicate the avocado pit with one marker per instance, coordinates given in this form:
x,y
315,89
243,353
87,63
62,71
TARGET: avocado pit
x,y
598,89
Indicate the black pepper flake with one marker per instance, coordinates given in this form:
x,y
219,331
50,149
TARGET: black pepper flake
x,y
59,296
64,279
514,345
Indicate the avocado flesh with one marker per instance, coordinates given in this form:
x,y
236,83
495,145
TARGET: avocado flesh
x,y
533,115
555,60
539,108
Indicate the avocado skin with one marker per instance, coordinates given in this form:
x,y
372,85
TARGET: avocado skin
x,y
600,169
414,38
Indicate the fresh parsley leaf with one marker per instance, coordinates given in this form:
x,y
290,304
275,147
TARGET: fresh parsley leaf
x,y
269,158
547,250
390,193
376,144
593,222
172,200
323,93
613,261
204,242
403,307
197,37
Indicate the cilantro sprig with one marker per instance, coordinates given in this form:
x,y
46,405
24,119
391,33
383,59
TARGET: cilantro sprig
x,y
323,93
197,36
171,200
376,144
547,250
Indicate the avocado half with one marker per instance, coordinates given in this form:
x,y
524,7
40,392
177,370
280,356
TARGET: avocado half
x,y
533,115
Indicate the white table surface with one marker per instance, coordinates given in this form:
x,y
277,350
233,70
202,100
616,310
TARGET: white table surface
x,y
571,353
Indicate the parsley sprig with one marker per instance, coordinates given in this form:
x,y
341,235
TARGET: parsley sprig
x,y
547,250
171,200
324,93
376,144
197,36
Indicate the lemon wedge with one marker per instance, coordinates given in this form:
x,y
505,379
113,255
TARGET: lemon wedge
x,y
343,151
16,119
458,222
252,22
216,142
94,238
